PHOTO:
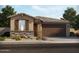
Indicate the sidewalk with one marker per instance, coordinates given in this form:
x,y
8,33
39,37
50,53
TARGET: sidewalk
x,y
47,41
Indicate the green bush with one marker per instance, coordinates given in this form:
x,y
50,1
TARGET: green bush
x,y
17,37
2,38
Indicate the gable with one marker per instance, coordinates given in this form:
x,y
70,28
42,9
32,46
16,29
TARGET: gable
x,y
21,16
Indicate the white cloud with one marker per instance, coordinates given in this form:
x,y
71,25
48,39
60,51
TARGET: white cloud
x,y
39,8
52,10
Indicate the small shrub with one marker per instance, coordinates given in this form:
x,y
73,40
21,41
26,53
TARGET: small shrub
x,y
2,38
12,37
17,38
72,34
22,36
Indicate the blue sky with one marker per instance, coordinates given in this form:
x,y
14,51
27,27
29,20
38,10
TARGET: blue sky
x,y
54,11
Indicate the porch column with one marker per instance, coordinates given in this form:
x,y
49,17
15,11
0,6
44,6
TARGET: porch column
x,y
39,31
12,25
31,27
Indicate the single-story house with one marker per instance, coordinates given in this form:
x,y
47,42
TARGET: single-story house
x,y
38,26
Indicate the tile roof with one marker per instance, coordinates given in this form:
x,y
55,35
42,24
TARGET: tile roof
x,y
43,19
48,19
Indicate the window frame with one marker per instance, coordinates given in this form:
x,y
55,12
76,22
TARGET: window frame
x,y
26,25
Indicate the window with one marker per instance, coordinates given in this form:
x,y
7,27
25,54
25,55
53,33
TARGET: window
x,y
22,25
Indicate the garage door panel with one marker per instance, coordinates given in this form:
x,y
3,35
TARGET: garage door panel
x,y
50,31
54,26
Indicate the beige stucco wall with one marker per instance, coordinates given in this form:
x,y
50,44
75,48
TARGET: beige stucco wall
x,y
12,25
31,25
19,17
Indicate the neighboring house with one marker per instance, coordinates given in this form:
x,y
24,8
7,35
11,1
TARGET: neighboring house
x,y
23,24
4,30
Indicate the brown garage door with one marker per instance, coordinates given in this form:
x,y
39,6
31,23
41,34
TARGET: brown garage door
x,y
54,30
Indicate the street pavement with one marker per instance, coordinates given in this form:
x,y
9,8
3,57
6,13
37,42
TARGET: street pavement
x,y
50,45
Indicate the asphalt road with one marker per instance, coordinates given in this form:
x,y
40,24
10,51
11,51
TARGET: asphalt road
x,y
40,48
